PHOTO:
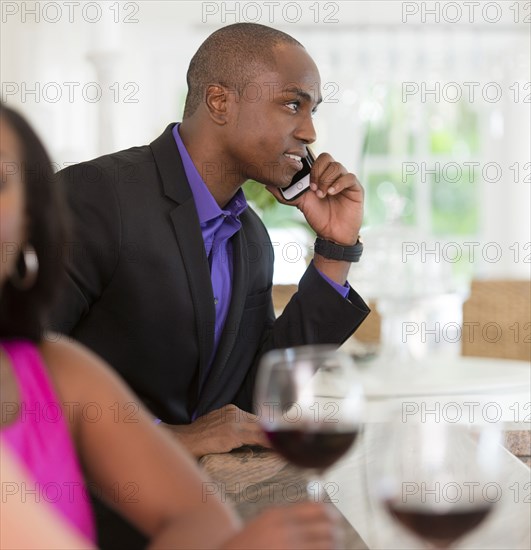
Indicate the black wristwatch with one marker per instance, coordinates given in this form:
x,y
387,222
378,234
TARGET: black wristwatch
x,y
334,251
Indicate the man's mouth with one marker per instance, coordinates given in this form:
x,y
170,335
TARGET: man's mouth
x,y
296,159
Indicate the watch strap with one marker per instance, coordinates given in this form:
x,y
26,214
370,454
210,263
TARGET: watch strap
x,y
334,251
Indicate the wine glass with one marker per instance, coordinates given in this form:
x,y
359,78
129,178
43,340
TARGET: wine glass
x,y
310,404
438,480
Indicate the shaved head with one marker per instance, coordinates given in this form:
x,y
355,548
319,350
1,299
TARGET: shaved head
x,y
232,56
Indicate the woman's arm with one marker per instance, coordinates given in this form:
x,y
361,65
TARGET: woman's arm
x,y
137,468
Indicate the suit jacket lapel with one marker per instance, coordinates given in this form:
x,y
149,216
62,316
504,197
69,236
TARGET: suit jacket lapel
x,y
190,240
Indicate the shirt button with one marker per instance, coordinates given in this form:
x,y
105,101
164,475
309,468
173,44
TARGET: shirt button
x,y
216,301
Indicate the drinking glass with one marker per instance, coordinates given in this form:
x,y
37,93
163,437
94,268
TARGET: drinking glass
x,y
437,480
310,402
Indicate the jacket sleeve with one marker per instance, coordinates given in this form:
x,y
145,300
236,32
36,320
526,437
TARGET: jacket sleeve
x,y
92,250
316,314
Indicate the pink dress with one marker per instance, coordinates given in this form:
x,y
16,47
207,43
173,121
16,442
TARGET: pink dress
x,y
40,439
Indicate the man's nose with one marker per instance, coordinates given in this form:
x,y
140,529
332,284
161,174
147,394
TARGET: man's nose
x,y
306,131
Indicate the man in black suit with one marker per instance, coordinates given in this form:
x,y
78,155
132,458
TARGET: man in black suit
x,y
178,299
140,290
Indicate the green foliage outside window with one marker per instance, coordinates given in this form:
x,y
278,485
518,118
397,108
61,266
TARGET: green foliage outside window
x,y
272,213
436,137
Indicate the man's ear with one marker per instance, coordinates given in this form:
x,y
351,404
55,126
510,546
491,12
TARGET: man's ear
x,y
219,101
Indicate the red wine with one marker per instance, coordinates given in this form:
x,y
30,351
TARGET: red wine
x,y
441,529
309,449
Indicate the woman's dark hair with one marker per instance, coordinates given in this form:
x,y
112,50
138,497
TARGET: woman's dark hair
x,y
23,312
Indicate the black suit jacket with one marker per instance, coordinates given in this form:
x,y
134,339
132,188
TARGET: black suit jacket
x,y
139,291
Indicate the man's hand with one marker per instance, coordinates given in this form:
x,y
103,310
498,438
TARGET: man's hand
x,y
302,526
220,431
333,207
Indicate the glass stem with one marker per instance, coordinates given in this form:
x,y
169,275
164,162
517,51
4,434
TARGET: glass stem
x,y
316,487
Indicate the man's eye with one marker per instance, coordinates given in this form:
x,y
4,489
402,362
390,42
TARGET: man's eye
x,y
293,105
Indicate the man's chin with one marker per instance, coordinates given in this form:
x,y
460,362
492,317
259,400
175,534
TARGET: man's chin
x,y
277,184
280,183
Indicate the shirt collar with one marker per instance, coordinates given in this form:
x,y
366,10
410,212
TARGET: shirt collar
x,y
206,206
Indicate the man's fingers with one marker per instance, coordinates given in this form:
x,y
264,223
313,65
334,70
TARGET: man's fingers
x,y
242,427
262,439
329,177
348,183
254,434
331,172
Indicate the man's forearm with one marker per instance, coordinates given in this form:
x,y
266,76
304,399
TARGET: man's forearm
x,y
334,269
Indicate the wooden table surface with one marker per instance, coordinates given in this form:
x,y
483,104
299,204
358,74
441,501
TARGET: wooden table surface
x,y
253,479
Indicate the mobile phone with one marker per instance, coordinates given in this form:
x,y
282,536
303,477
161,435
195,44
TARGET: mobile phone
x,y
301,180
